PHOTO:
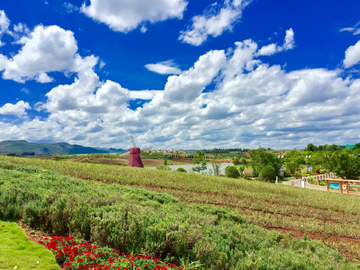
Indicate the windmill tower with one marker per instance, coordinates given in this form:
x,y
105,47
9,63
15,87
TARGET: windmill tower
x,y
135,160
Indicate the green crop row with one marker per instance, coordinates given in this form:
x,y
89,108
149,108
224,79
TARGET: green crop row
x,y
201,183
138,221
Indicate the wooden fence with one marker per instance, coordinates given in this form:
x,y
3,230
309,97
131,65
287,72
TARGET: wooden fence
x,y
345,185
322,177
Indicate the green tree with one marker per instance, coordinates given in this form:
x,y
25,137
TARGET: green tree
x,y
241,170
243,161
310,147
199,159
216,167
292,160
165,162
236,161
357,146
232,172
261,158
344,164
268,173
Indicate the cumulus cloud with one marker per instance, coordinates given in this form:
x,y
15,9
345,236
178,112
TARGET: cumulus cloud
x,y
44,50
271,49
247,102
188,85
216,19
352,55
124,16
17,109
165,67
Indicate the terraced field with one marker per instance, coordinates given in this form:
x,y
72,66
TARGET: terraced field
x,y
331,218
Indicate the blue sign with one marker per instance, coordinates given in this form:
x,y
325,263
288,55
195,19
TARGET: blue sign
x,y
309,168
281,171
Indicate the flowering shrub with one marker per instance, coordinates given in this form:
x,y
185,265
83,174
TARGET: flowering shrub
x,y
75,255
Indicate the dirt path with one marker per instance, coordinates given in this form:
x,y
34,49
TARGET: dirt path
x,y
297,183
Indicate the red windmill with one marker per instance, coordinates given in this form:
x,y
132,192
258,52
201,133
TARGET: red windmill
x,y
135,160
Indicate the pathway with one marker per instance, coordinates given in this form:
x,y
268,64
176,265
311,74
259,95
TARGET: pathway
x,y
298,184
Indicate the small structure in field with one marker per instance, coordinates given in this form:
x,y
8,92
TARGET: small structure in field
x,y
135,159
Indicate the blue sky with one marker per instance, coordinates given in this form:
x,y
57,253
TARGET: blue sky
x,y
180,73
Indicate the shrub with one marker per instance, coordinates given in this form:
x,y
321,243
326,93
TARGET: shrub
x,y
232,172
163,168
305,171
243,161
181,170
236,161
268,173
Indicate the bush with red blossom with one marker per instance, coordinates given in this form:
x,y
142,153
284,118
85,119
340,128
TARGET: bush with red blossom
x,y
76,255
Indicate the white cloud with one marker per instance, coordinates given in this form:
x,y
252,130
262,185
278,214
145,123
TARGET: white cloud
x,y
355,30
143,29
102,64
289,40
216,19
289,43
124,16
17,109
25,90
189,85
352,55
268,49
4,25
46,49
249,102
4,22
44,78
70,8
165,67
144,94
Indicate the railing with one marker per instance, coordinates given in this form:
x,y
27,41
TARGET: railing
x,y
343,185
322,177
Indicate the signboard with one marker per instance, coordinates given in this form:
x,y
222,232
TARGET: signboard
x,y
309,168
281,171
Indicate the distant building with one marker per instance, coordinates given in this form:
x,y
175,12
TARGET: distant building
x,y
350,146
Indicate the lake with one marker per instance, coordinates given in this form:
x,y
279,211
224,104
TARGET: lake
x,y
189,167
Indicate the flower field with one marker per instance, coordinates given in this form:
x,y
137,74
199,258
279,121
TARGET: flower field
x,y
77,255
204,224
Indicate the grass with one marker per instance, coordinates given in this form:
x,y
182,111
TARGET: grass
x,y
17,250
324,214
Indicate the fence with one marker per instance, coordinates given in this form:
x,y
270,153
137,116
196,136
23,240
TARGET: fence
x,y
322,177
343,185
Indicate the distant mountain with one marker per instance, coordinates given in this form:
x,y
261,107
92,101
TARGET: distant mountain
x,y
19,147
110,150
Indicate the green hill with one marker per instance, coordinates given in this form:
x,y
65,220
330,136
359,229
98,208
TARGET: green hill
x,y
19,147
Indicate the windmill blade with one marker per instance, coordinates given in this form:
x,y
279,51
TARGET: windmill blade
x,y
133,141
146,149
124,154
